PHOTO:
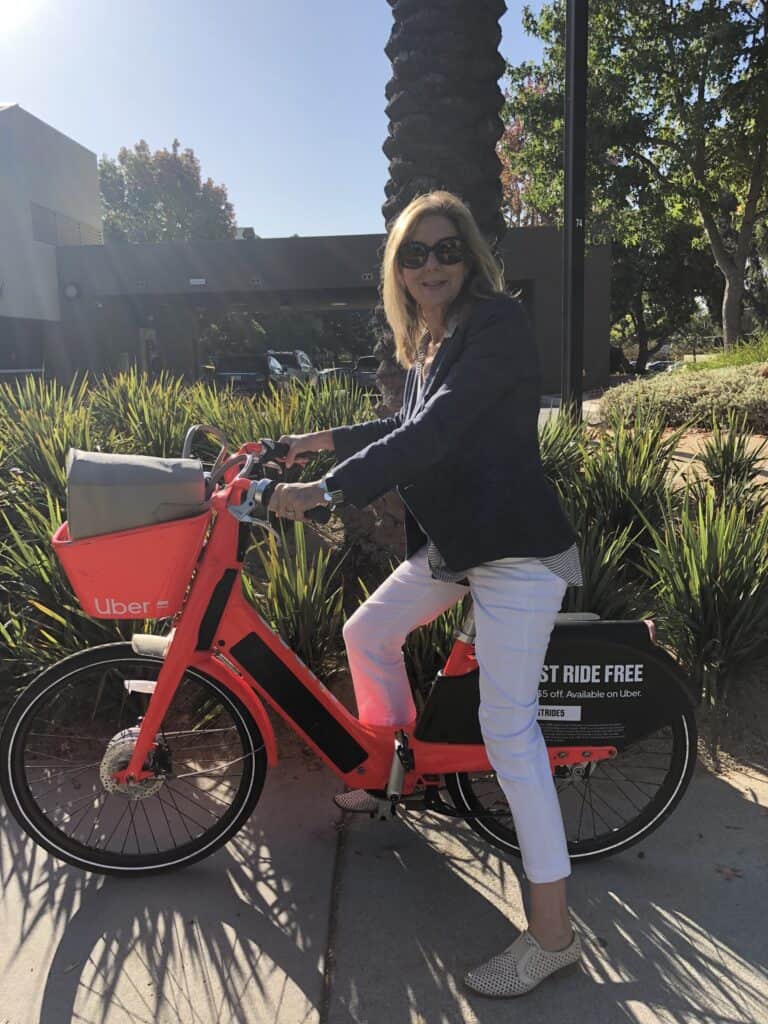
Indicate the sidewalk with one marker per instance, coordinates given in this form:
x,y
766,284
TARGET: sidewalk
x,y
550,405
309,918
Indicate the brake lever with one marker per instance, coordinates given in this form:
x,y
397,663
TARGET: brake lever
x,y
252,500
243,512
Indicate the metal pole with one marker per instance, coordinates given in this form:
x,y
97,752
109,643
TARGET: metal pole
x,y
576,29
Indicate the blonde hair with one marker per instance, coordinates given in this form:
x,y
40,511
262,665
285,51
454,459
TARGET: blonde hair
x,y
484,277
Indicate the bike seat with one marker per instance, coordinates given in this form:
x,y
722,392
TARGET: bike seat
x,y
563,617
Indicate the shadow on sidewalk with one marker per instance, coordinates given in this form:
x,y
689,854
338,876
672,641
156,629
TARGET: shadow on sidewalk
x,y
674,928
240,936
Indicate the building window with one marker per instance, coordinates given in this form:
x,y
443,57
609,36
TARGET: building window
x,y
43,224
90,236
57,229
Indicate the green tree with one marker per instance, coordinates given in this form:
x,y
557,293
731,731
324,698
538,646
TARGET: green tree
x,y
756,283
291,329
234,333
155,197
678,108
348,332
656,283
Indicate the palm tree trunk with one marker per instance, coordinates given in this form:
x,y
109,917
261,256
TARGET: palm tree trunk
x,y
444,103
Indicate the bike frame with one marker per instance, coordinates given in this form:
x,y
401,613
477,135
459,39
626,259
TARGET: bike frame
x,y
220,634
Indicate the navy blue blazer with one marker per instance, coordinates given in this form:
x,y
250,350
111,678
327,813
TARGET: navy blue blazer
x,y
464,453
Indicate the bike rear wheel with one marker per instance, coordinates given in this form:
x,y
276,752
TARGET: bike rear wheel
x,y
76,725
607,806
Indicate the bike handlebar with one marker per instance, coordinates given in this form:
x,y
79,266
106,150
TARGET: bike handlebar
x,y
265,487
320,514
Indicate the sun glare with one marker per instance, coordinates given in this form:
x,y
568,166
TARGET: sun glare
x,y
17,14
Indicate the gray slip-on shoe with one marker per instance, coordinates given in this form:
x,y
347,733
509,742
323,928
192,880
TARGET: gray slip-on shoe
x,y
521,967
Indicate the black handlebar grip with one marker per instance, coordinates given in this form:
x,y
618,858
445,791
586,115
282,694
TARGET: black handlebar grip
x,y
320,514
279,451
266,494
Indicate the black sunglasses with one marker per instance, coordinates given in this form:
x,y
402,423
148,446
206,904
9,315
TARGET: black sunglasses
x,y
448,252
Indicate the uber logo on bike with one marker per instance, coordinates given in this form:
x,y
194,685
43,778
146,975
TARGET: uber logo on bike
x,y
146,609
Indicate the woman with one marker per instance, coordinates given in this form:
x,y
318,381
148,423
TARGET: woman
x,y
463,453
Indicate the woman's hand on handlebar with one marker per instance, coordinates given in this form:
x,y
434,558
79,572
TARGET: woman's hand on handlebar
x,y
291,501
298,444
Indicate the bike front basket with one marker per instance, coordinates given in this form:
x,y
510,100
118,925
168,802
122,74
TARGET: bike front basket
x,y
133,574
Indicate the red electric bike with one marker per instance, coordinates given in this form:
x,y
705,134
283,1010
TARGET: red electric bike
x,y
132,758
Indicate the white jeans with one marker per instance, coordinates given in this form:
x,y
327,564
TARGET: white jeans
x,y
515,602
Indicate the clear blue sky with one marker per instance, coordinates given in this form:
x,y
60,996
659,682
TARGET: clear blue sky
x,y
282,100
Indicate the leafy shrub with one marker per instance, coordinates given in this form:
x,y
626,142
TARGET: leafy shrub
x,y
732,466
708,568
299,596
134,413
612,588
40,619
624,477
329,405
693,399
562,440
39,422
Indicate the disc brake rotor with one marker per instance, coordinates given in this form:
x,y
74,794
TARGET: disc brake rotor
x,y
116,758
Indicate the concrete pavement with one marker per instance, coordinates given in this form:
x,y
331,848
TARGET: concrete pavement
x,y
675,928
306,917
240,937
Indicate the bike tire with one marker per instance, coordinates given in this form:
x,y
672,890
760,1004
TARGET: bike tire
x,y
480,797
80,709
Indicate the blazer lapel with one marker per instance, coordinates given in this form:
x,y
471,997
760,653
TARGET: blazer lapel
x,y
445,357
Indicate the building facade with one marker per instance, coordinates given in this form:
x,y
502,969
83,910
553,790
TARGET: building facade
x,y
70,304
49,197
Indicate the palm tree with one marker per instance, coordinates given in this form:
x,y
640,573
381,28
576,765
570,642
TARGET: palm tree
x,y
443,105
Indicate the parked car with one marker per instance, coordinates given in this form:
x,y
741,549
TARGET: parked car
x,y
656,365
297,363
364,373
247,374
341,375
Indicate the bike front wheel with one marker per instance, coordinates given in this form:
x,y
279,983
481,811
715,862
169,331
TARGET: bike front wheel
x,y
607,806
76,726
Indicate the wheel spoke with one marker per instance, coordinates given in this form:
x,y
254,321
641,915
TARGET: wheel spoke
x,y
204,771
83,727
182,817
149,826
606,804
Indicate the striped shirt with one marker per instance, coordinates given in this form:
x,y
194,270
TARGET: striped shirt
x,y
566,564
